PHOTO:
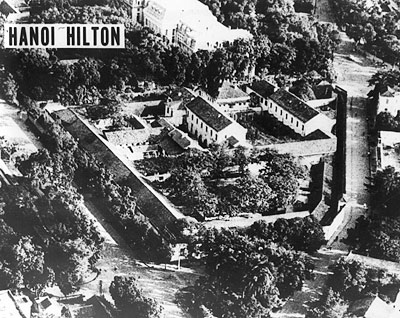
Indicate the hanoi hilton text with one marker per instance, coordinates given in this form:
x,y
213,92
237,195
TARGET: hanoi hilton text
x,y
65,36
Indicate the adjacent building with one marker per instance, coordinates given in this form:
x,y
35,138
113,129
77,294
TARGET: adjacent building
x,y
389,101
289,109
296,114
187,23
209,125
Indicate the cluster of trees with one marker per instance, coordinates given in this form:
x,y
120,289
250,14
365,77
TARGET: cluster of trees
x,y
299,44
378,235
282,43
350,281
92,177
130,300
387,122
83,15
204,184
374,25
250,271
46,237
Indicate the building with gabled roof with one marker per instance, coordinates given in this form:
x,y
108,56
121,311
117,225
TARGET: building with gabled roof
x,y
262,89
389,100
210,125
297,114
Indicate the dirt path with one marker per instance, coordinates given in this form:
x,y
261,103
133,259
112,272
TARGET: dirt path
x,y
158,281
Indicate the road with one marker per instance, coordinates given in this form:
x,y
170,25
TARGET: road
x,y
353,75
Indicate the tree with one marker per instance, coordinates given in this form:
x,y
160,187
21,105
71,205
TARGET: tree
x,y
376,236
247,276
385,121
8,87
303,90
129,299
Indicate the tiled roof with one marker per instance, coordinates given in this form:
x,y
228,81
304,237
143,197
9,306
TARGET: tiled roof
x,y
207,113
229,90
263,88
294,105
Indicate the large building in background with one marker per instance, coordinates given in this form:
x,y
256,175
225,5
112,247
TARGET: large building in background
x,y
187,23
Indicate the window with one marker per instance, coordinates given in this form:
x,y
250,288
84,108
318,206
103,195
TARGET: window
x,y
302,127
211,132
206,128
281,112
192,117
197,120
291,121
297,124
286,116
270,104
276,108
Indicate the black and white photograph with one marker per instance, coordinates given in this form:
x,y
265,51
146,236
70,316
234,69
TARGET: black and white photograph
x,y
199,158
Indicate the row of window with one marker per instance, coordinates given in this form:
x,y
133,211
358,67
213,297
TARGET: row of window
x,y
286,116
201,125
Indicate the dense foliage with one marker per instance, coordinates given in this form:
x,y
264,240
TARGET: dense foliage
x,y
378,235
350,281
218,182
47,237
130,301
282,43
374,24
114,200
247,276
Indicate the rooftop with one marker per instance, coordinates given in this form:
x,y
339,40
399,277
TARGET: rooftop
x,y
294,105
263,88
207,113
229,90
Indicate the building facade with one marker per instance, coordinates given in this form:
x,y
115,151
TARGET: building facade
x,y
296,114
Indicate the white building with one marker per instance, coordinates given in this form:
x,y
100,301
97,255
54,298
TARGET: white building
x,y
296,114
210,125
389,101
232,100
187,23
